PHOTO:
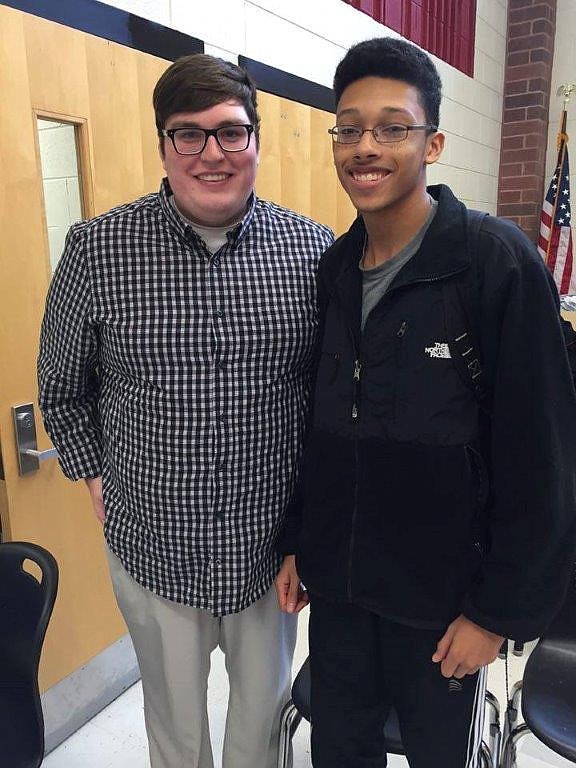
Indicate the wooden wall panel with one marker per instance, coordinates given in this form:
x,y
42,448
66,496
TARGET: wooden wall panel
x,y
149,70
115,121
56,81
295,155
269,181
296,167
323,181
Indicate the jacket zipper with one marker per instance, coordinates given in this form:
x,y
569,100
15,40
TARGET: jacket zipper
x,y
356,376
356,396
355,412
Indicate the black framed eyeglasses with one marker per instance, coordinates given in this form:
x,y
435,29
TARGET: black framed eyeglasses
x,y
191,141
383,134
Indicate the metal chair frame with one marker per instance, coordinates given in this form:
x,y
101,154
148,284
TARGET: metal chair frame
x,y
489,753
551,668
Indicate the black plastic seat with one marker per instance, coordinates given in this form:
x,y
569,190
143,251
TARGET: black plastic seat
x,y
25,609
301,699
548,687
299,707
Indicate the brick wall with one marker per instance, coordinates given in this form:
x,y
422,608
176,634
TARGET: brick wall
x,y
527,83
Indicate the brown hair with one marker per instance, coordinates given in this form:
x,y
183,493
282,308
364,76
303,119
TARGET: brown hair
x,y
197,82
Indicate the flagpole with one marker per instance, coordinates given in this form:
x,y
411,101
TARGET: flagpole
x,y
565,90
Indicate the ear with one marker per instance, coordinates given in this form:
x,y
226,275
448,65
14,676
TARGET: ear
x,y
435,146
161,152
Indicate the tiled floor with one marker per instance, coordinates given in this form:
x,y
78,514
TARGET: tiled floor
x,y
116,737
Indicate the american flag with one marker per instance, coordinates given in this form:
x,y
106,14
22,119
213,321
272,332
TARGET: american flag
x,y
555,239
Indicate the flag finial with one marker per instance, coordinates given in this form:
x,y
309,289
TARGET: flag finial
x,y
566,90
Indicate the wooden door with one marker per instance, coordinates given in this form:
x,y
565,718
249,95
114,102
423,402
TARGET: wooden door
x,y
105,90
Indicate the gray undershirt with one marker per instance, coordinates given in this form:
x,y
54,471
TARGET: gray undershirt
x,y
376,281
214,237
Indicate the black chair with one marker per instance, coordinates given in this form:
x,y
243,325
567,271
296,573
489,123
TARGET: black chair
x,y
548,688
299,707
25,608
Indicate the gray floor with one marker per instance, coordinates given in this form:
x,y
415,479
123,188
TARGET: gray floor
x,y
116,737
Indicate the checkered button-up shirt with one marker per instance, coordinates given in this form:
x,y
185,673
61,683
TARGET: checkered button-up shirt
x,y
181,377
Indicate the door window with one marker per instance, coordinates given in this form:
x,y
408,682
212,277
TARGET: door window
x,y
61,181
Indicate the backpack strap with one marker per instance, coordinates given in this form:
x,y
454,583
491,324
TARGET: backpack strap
x,y
570,340
462,307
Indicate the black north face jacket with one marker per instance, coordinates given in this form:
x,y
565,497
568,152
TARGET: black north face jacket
x,y
405,505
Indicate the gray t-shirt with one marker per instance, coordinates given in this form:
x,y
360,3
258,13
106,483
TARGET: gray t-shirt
x,y
376,281
214,237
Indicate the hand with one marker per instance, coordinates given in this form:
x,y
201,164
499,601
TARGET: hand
x,y
95,489
292,596
465,647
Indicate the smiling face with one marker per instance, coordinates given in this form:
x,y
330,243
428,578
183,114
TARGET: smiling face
x,y
213,187
384,177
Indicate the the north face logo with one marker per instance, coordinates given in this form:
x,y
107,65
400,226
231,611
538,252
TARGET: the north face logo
x,y
438,350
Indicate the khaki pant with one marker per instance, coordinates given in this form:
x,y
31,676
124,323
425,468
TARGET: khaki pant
x,y
173,644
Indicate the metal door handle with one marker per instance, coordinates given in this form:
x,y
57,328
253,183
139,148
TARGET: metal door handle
x,y
29,457
49,453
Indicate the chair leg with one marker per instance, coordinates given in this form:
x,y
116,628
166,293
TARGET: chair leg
x,y
512,711
511,744
289,720
494,731
486,758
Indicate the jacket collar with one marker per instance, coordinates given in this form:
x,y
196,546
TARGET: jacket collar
x,y
444,252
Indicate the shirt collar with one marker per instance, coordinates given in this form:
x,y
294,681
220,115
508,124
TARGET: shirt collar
x,y
236,235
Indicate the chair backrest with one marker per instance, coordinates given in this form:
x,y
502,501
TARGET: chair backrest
x,y
549,683
25,608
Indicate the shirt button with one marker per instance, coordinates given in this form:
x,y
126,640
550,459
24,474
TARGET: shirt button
x,y
220,366
222,416
216,262
219,314
217,562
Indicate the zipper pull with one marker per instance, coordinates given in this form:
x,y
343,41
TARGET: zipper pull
x,y
357,369
402,329
354,411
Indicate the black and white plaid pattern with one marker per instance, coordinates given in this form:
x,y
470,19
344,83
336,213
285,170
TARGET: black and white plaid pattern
x,y
182,378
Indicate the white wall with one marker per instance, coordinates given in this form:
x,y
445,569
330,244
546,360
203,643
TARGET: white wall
x,y
563,71
61,182
309,37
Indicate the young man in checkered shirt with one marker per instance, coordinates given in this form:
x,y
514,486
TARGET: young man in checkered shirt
x,y
174,371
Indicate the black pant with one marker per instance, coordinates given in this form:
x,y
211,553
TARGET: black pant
x,y
362,664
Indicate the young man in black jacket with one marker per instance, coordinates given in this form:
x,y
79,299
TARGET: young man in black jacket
x,y
426,528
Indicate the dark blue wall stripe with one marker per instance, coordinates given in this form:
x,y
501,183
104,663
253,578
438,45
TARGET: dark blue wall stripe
x,y
289,86
113,24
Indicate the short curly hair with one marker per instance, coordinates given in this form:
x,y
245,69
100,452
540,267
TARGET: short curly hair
x,y
398,60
